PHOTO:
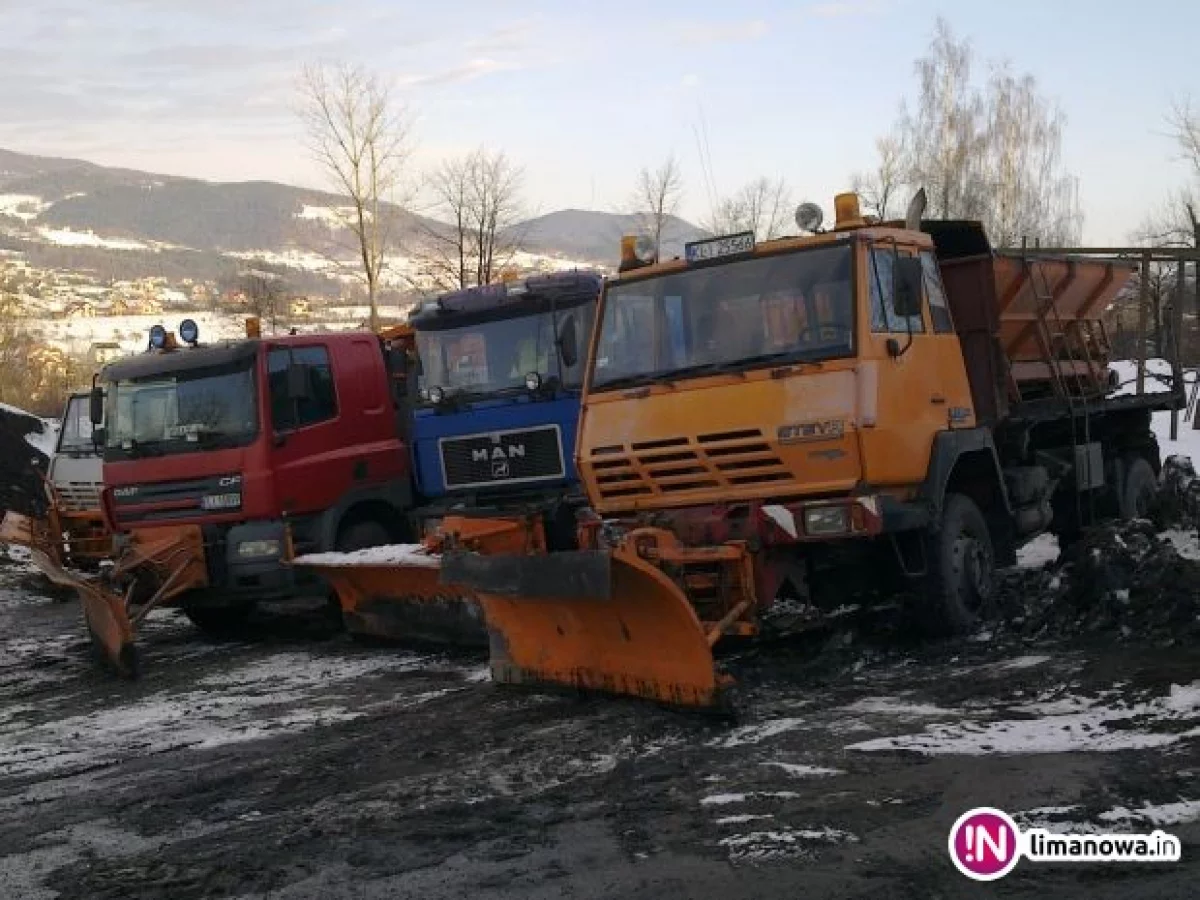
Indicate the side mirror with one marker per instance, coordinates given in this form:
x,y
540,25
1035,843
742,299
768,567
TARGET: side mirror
x,y
568,342
906,286
96,405
98,436
299,385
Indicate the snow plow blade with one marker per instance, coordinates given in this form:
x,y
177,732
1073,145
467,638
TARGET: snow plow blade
x,y
602,621
401,602
103,609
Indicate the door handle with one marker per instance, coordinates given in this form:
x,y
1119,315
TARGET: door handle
x,y
937,398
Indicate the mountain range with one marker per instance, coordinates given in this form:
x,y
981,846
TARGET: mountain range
x,y
73,214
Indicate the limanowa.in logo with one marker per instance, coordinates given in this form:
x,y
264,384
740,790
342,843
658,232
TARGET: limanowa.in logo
x,y
986,844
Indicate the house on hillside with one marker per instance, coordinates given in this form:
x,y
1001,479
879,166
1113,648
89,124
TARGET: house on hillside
x,y
81,309
102,352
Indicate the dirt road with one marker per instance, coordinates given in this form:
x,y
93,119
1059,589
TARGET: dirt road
x,y
318,769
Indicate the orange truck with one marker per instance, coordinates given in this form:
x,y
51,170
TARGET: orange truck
x,y
763,422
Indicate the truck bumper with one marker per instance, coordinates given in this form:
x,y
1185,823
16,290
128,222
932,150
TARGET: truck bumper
x,y
247,563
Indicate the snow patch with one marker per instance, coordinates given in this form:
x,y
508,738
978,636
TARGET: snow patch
x,y
390,555
1042,550
287,693
763,845
743,818
800,771
1186,543
22,206
754,734
1179,813
726,799
891,706
66,237
1069,725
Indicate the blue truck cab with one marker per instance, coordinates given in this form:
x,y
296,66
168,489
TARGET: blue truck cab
x,y
500,372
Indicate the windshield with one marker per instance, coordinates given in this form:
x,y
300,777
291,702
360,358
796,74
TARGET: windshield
x,y
199,409
494,357
75,436
792,307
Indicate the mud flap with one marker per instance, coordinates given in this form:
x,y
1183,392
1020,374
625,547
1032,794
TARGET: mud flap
x,y
405,603
594,621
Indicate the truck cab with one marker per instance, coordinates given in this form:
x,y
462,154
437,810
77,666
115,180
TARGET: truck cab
x,y
498,402
76,473
269,447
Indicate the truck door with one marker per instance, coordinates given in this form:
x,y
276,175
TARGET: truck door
x,y
912,402
305,430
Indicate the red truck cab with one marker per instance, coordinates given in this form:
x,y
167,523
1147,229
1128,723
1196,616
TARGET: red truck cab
x,y
258,442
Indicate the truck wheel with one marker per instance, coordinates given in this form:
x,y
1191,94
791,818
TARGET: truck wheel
x,y
361,535
962,565
220,621
358,536
1141,489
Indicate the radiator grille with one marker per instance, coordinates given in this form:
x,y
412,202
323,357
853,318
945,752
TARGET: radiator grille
x,y
674,465
504,457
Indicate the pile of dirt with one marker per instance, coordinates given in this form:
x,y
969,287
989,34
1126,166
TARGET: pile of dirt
x,y
21,462
1128,579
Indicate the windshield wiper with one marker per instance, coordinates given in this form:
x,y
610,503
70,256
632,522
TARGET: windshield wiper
x,y
627,381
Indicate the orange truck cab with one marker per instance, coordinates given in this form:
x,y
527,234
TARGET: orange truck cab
x,y
262,448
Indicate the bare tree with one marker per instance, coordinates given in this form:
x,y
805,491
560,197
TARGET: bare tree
x,y
656,200
359,136
879,187
265,296
763,206
476,203
990,152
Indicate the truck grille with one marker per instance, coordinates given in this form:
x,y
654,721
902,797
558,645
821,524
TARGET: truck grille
x,y
166,500
502,457
728,459
79,496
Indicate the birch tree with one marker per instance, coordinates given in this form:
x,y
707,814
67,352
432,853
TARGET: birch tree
x,y
476,205
763,206
656,199
359,135
989,151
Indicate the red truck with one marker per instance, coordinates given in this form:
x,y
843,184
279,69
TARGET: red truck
x,y
223,461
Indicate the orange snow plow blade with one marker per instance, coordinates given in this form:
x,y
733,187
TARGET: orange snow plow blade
x,y
397,593
174,556
401,599
606,621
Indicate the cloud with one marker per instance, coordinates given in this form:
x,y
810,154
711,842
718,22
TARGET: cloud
x,y
840,8
722,32
467,71
508,38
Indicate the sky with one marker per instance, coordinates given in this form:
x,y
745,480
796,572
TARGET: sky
x,y
584,95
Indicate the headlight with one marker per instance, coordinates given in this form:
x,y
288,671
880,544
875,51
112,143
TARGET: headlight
x,y
258,548
436,395
533,381
221,501
827,520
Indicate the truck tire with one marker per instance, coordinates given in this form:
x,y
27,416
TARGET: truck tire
x,y
961,570
220,621
361,535
1141,488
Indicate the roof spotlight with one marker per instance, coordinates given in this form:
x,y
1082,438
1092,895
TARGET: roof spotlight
x,y
158,337
189,330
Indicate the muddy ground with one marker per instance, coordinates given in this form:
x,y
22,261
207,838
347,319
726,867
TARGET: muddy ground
x,y
300,768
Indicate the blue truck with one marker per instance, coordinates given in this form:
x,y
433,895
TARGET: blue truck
x,y
501,368
495,407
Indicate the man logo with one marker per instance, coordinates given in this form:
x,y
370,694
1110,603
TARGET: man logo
x,y
499,453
